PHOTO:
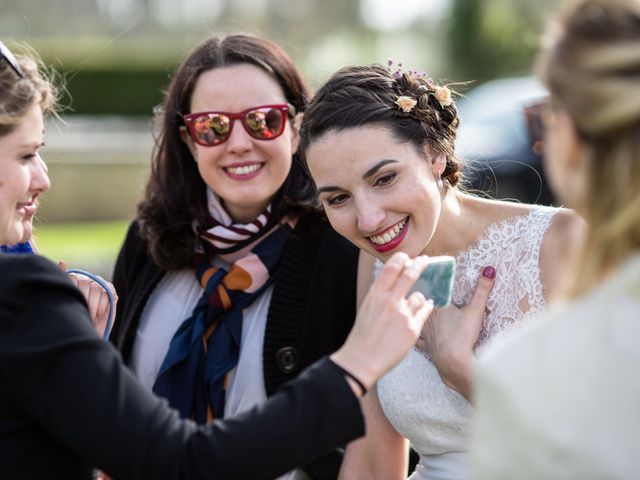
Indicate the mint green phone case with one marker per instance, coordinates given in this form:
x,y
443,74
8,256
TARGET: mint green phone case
x,y
436,281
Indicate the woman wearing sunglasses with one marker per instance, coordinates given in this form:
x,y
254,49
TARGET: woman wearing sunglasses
x,y
561,400
229,283
67,402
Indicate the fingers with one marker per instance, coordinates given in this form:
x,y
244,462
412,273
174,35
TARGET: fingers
x,y
391,271
114,294
62,265
478,302
95,293
423,313
77,281
407,278
415,301
96,298
103,304
101,298
83,284
420,308
102,316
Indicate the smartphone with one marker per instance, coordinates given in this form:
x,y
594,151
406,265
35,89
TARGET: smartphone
x,y
436,281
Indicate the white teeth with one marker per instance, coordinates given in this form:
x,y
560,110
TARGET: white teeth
x,y
388,235
245,170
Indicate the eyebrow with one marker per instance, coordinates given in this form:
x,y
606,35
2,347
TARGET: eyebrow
x,y
372,171
376,167
32,145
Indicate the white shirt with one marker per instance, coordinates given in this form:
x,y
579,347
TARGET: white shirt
x,y
169,305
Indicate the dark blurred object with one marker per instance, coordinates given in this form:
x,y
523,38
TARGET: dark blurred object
x,y
535,127
493,139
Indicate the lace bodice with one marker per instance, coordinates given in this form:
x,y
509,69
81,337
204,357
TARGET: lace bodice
x,y
433,417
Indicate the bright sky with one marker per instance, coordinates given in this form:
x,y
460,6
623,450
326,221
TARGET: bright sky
x,y
395,14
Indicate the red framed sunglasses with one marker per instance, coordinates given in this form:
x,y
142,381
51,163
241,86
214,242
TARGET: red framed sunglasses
x,y
265,122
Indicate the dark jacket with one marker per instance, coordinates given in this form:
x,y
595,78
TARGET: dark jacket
x,y
312,308
67,402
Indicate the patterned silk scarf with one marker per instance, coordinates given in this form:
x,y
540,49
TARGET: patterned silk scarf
x,y
207,345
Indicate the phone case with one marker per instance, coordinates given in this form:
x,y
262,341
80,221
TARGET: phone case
x,y
436,281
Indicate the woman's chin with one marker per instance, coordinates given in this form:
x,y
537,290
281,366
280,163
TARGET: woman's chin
x,y
27,231
12,236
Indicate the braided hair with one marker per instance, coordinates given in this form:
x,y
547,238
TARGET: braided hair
x,y
362,95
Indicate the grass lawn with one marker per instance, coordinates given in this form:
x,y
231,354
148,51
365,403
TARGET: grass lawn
x,y
89,246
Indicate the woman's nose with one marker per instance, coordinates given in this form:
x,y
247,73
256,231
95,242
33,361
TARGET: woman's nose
x,y
239,140
370,217
40,179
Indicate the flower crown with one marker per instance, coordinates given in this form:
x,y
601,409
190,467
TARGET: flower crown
x,y
405,102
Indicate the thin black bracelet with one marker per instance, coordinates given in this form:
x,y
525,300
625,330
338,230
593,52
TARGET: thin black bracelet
x,y
352,377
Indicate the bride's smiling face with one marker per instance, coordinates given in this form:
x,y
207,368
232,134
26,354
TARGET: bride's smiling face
x,y
381,194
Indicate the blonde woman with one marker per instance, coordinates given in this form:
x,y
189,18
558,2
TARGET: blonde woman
x,y
96,297
561,400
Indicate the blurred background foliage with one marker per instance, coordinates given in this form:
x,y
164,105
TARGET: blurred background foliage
x,y
115,58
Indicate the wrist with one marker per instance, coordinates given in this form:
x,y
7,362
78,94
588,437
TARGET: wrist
x,y
356,368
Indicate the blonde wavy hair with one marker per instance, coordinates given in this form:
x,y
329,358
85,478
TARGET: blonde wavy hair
x,y
17,95
591,66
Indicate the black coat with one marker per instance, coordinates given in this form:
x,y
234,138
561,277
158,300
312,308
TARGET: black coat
x,y
67,402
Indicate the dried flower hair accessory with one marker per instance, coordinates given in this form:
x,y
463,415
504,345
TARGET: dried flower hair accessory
x,y
397,73
442,94
405,103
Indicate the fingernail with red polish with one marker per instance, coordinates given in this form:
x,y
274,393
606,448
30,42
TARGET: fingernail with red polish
x,y
489,272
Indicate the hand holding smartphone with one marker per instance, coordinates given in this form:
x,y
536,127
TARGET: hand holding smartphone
x,y
436,281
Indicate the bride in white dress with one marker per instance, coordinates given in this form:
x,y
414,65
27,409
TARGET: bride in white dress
x,y
380,147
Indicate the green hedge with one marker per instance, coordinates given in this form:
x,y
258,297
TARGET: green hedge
x,y
114,91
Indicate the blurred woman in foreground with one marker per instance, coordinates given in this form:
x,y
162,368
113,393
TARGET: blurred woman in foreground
x,y
561,400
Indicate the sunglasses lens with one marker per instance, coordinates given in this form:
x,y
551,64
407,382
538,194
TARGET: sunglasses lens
x,y
265,123
211,129
535,126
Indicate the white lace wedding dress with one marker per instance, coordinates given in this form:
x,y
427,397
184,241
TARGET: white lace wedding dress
x,y
433,417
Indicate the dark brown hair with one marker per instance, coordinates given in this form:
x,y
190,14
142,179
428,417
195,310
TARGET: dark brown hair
x,y
362,95
176,193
